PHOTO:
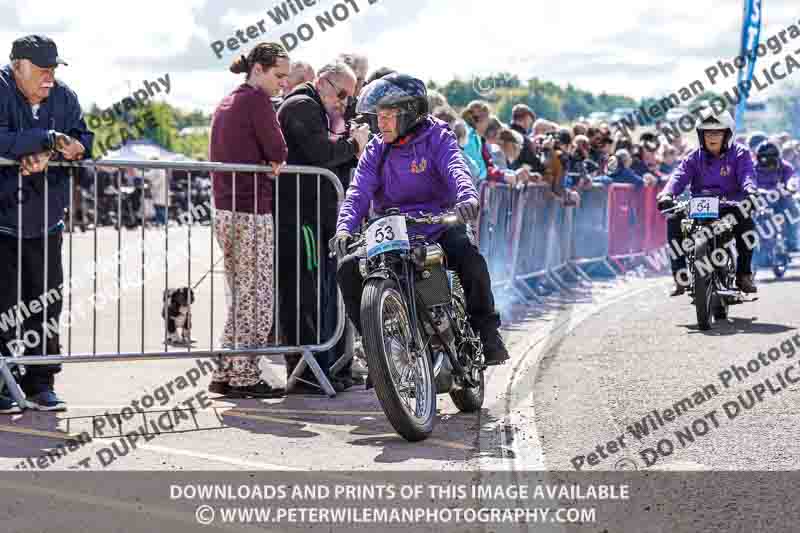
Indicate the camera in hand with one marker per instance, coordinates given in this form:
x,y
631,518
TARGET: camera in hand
x,y
369,120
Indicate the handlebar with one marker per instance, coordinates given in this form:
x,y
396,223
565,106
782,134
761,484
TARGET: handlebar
x,y
684,206
447,218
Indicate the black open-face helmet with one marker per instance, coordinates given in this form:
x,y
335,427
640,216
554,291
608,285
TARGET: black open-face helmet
x,y
397,91
768,156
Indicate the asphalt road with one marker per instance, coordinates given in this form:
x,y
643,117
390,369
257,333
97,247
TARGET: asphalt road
x,y
646,354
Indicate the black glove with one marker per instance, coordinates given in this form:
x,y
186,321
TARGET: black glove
x,y
468,210
338,244
665,202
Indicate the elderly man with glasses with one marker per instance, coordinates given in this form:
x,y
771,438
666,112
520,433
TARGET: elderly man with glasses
x,y
40,121
307,118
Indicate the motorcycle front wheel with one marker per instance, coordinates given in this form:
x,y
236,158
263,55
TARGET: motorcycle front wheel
x,y
703,282
403,380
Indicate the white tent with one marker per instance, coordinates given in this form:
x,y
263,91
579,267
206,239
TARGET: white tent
x,y
144,150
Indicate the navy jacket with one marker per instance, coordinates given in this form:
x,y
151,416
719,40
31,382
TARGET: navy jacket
x,y
21,135
622,175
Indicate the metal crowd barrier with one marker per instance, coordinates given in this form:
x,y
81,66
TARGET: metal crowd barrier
x,y
498,206
150,303
545,240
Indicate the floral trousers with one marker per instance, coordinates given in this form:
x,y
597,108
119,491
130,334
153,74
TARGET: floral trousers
x,y
247,242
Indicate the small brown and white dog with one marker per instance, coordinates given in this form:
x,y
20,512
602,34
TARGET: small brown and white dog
x,y
177,315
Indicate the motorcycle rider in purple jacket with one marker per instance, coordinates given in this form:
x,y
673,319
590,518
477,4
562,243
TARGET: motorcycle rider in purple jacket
x,y
773,173
416,165
722,167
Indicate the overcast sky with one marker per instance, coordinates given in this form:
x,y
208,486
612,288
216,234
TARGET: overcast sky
x,y
642,48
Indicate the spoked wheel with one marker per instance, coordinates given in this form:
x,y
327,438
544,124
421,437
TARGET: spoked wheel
x,y
403,380
468,399
726,276
703,290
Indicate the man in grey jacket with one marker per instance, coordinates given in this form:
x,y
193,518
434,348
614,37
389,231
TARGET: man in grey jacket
x,y
40,120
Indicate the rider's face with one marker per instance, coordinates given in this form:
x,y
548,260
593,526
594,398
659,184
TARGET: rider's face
x,y
713,140
387,123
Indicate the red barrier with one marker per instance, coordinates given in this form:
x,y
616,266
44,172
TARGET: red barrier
x,y
625,220
655,225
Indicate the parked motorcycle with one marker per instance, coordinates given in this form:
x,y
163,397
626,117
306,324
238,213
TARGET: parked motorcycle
x,y
712,270
180,192
416,333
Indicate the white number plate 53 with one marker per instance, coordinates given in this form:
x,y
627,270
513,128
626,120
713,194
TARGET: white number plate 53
x,y
704,207
387,234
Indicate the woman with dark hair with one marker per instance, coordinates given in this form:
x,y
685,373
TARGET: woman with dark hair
x,y
245,130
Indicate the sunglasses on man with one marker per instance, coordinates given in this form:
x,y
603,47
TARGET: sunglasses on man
x,y
341,94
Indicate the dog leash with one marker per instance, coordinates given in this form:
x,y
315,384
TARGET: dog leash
x,y
207,273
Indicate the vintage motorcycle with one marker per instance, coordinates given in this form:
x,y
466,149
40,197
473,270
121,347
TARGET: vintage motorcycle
x,y
416,333
711,262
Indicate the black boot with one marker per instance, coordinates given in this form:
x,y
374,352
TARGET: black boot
x,y
219,387
745,283
679,287
262,389
494,350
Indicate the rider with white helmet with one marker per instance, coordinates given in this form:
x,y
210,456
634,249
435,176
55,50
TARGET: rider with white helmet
x,y
726,168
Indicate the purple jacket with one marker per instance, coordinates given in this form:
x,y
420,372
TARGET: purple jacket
x,y
769,179
731,175
425,173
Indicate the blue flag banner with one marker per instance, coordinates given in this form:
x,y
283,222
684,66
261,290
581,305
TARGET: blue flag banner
x,y
751,33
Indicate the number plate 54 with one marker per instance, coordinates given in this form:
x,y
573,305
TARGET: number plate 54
x,y
704,207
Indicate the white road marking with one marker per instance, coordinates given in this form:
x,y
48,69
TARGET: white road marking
x,y
38,432
218,458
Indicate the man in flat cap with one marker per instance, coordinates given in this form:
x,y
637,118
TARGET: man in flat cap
x,y
40,121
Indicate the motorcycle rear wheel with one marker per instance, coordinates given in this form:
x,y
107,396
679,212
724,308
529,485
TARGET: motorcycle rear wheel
x,y
467,399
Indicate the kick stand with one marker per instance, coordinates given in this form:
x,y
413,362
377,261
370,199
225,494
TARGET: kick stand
x,y
7,380
311,361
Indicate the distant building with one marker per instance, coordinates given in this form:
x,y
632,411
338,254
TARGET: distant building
x,y
194,130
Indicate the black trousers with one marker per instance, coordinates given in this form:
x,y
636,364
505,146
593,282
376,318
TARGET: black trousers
x,y
34,289
463,257
744,223
289,251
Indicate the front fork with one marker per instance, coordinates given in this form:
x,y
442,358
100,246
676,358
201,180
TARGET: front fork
x,y
408,273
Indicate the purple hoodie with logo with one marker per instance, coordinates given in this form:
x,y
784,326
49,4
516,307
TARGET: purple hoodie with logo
x,y
730,175
426,173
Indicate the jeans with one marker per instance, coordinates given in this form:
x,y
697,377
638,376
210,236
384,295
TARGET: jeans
x,y
161,214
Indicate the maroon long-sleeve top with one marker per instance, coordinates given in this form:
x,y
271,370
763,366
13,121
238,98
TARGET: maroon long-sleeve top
x,y
245,130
